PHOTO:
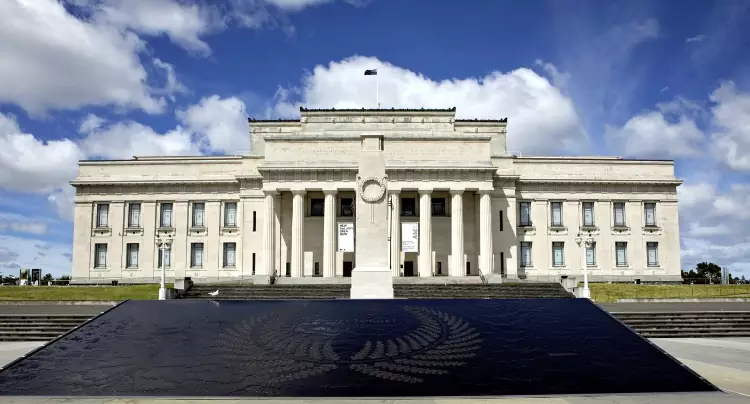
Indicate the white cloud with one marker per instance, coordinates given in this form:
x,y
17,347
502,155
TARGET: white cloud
x,y
697,38
222,122
715,226
10,222
52,60
62,199
521,95
731,118
91,122
124,140
28,164
172,85
18,252
559,79
298,5
656,134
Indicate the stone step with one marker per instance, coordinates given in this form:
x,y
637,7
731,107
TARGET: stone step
x,y
696,326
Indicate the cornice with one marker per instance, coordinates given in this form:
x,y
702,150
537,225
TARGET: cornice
x,y
594,181
388,135
150,160
77,183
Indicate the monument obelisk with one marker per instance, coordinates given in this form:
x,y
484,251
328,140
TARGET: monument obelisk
x,y
372,278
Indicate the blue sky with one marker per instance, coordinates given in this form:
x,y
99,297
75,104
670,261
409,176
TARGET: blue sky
x,y
116,78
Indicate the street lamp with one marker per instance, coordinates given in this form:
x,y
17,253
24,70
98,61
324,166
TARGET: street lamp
x,y
163,242
585,243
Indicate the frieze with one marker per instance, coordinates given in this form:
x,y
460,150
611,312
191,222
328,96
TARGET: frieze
x,y
605,188
440,175
310,175
155,189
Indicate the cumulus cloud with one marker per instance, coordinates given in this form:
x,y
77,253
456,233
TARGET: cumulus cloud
x,y
656,134
124,140
10,222
222,122
28,164
18,252
731,119
521,95
715,225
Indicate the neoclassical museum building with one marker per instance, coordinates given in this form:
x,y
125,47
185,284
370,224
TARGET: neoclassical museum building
x,y
459,205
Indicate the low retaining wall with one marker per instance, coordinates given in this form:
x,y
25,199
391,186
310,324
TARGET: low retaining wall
x,y
687,300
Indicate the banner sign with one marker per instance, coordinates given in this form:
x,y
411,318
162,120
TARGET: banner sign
x,y
346,237
410,237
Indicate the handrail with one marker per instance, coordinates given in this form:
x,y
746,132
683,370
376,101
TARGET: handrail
x,y
481,276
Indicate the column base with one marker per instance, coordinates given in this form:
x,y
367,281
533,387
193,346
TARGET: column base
x,y
372,283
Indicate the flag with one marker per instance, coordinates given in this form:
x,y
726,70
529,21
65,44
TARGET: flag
x,y
373,72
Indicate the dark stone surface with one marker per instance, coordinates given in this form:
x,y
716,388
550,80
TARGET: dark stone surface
x,y
354,348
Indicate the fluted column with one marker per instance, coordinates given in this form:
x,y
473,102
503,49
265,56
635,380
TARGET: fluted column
x,y
329,234
298,233
485,232
457,233
425,232
396,233
269,233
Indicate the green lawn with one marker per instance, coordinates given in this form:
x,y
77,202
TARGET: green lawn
x,y
115,293
602,292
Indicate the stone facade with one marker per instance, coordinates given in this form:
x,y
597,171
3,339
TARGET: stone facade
x,y
277,210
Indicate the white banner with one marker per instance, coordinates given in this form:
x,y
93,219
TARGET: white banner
x,y
346,237
410,237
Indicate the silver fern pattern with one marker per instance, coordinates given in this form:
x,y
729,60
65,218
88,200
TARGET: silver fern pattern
x,y
440,342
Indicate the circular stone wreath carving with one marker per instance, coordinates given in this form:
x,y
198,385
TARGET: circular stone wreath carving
x,y
371,189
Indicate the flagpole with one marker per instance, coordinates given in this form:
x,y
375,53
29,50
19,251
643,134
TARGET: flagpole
x,y
377,90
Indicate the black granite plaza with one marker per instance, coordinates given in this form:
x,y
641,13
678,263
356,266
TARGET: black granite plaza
x,y
350,348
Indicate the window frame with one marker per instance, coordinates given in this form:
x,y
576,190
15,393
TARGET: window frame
x,y
583,214
528,222
97,255
552,205
345,209
593,255
317,207
645,214
102,224
129,255
162,209
624,245
225,254
561,246
193,247
226,211
413,202
168,258
436,202
614,214
528,245
193,213
655,245
139,209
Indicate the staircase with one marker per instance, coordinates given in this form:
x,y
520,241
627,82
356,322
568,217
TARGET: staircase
x,y
28,327
401,291
698,324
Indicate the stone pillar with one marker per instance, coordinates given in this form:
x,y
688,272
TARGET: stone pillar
x,y
425,232
298,233
329,234
485,232
396,233
457,233
269,233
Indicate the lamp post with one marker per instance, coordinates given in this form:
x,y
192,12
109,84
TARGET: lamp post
x,y
585,243
163,243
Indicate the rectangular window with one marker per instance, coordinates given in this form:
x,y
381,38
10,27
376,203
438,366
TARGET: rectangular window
x,y
345,208
288,269
525,254
652,253
255,220
409,207
131,259
199,214
621,253
438,206
230,255
649,209
230,214
588,213
134,215
196,255
502,220
591,255
558,254
102,215
100,255
556,211
167,258
166,215
253,263
316,269
439,268
619,212
524,211
317,206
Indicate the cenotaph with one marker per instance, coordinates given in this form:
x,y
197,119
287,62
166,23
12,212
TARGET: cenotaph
x,y
372,277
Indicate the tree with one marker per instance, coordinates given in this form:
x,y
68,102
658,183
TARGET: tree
x,y
709,271
47,278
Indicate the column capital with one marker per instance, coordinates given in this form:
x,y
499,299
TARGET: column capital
x,y
484,191
425,191
330,191
271,192
299,191
457,191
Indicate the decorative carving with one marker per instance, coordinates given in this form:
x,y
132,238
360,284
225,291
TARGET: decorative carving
x,y
371,189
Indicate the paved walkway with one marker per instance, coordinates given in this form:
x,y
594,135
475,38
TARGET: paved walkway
x,y
723,361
